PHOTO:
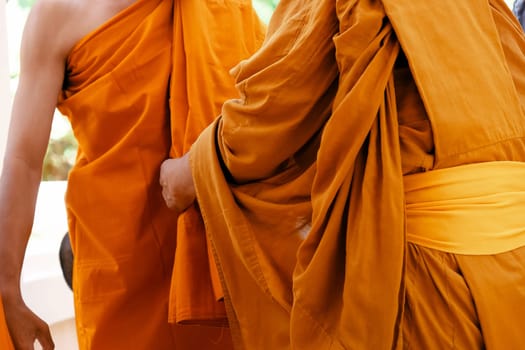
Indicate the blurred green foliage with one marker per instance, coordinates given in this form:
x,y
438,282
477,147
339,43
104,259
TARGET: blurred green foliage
x,y
25,4
265,8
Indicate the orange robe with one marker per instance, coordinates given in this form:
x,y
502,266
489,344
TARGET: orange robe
x,y
117,96
203,54
300,182
5,338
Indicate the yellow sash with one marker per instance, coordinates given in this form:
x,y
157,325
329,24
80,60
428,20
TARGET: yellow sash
x,y
474,209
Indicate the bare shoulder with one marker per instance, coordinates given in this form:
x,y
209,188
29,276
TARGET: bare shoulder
x,y
58,25
47,28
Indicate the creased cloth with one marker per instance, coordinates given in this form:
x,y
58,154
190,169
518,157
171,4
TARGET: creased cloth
x,y
130,95
300,182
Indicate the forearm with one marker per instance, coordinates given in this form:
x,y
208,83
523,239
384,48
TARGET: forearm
x,y
41,78
18,191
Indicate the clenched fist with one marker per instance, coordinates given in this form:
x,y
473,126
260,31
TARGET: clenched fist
x,y
177,183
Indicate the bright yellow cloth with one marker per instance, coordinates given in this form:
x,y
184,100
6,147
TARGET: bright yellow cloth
x,y
5,338
121,81
474,209
300,183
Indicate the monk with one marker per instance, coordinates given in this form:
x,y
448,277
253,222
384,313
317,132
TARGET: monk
x,y
366,191
125,73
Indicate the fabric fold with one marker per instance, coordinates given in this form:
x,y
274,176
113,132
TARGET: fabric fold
x,y
204,52
139,88
475,58
122,234
320,97
5,338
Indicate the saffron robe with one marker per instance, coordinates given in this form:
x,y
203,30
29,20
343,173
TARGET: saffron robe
x,y
5,338
203,54
121,81
309,229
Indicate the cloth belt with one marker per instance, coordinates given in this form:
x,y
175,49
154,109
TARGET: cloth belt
x,y
474,209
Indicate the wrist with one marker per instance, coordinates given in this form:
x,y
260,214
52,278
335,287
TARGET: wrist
x,y
10,288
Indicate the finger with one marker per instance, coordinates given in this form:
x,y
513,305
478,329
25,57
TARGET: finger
x,y
169,199
162,176
44,338
170,203
162,181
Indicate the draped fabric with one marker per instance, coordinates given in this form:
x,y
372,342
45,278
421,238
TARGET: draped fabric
x,y
300,182
209,38
132,96
5,338
122,236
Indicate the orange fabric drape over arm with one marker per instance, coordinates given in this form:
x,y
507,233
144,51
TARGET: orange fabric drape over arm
x,y
209,38
286,106
267,140
5,338
304,206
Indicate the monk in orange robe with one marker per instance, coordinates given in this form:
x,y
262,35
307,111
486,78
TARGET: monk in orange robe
x,y
366,192
125,74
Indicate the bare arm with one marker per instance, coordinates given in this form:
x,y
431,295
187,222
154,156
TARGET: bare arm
x,y
41,77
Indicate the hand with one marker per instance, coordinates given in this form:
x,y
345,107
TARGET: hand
x,y
25,327
176,180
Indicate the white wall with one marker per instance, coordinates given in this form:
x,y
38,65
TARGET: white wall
x,y
43,286
5,96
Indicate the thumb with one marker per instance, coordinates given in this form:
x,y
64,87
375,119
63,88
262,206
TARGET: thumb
x,y
43,336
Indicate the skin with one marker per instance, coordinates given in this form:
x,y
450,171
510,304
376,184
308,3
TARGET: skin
x,y
52,29
177,183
